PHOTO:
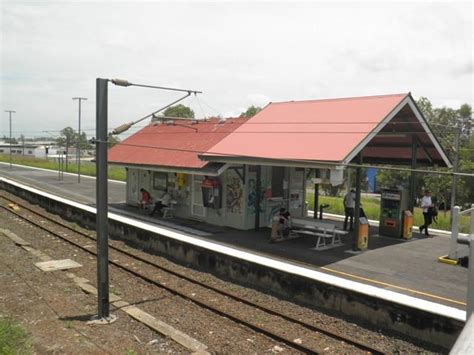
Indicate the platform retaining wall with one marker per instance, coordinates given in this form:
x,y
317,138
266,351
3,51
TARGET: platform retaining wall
x,y
415,324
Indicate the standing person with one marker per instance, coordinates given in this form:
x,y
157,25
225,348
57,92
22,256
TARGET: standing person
x,y
426,205
349,202
145,198
162,203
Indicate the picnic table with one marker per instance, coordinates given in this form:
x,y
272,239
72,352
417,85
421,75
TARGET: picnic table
x,y
328,236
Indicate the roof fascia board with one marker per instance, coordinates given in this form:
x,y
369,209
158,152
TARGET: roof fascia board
x,y
271,162
376,130
175,170
428,130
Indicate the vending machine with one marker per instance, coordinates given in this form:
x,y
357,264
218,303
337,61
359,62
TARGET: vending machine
x,y
393,219
211,193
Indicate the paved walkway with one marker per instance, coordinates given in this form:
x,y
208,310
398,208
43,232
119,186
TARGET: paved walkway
x,y
409,267
47,180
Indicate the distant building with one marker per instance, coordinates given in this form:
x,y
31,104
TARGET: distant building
x,y
32,149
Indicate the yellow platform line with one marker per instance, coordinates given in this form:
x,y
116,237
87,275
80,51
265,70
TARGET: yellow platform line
x,y
393,286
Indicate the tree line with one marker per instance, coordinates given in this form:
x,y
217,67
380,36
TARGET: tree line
x,y
444,121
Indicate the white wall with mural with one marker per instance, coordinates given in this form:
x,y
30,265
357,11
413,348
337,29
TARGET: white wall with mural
x,y
280,187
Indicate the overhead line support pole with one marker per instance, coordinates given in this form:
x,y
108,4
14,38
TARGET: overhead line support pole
x,y
413,174
455,168
357,203
78,148
10,119
102,195
258,187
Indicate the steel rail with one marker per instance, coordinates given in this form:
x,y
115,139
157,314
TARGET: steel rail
x,y
334,335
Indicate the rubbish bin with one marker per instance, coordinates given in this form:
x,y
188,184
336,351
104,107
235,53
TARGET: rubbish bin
x,y
363,234
407,225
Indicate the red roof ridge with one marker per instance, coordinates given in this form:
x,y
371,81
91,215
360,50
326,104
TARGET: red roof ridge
x,y
340,98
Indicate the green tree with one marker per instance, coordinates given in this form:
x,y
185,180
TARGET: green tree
x,y
84,142
113,140
465,116
7,140
177,111
67,137
393,178
251,111
443,122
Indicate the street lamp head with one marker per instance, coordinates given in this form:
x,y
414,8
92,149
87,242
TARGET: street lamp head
x,y
11,111
79,98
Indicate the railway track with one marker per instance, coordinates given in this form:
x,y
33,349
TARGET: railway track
x,y
228,296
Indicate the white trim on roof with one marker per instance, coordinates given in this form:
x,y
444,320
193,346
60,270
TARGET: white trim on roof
x,y
408,100
375,131
428,129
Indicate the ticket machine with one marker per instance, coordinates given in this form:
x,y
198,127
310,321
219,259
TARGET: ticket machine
x,y
393,219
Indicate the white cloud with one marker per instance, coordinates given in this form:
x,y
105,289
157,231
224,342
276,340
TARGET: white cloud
x,y
238,54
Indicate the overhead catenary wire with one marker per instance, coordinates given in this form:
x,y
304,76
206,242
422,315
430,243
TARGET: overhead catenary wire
x,y
247,123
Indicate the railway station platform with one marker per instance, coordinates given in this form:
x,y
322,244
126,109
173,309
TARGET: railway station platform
x,y
406,267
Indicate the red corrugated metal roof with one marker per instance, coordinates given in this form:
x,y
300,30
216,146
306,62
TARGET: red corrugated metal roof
x,y
181,144
320,130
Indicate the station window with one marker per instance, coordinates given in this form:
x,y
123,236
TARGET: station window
x,y
160,181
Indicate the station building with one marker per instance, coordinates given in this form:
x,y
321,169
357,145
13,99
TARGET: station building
x,y
219,171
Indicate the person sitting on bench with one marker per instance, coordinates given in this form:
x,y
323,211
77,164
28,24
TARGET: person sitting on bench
x,y
162,203
145,198
284,222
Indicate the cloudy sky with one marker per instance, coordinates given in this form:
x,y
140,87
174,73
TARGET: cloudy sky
x,y
237,53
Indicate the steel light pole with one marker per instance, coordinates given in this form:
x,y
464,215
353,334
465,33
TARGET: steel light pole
x,y
10,115
78,148
101,181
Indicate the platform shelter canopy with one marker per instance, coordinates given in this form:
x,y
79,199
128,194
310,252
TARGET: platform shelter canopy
x,y
174,146
383,129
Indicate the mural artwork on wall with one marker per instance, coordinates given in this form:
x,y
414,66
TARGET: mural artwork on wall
x,y
235,196
252,196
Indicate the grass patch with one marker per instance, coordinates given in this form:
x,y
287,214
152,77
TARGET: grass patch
x,y
87,168
371,208
13,338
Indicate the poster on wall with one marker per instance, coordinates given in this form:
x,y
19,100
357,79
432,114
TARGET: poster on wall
x,y
234,193
296,199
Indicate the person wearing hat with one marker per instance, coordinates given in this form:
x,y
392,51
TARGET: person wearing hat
x,y
426,205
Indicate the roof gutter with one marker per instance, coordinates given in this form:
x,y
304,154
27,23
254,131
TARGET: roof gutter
x,y
268,162
170,169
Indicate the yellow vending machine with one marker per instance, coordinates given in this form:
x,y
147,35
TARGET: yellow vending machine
x,y
407,225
